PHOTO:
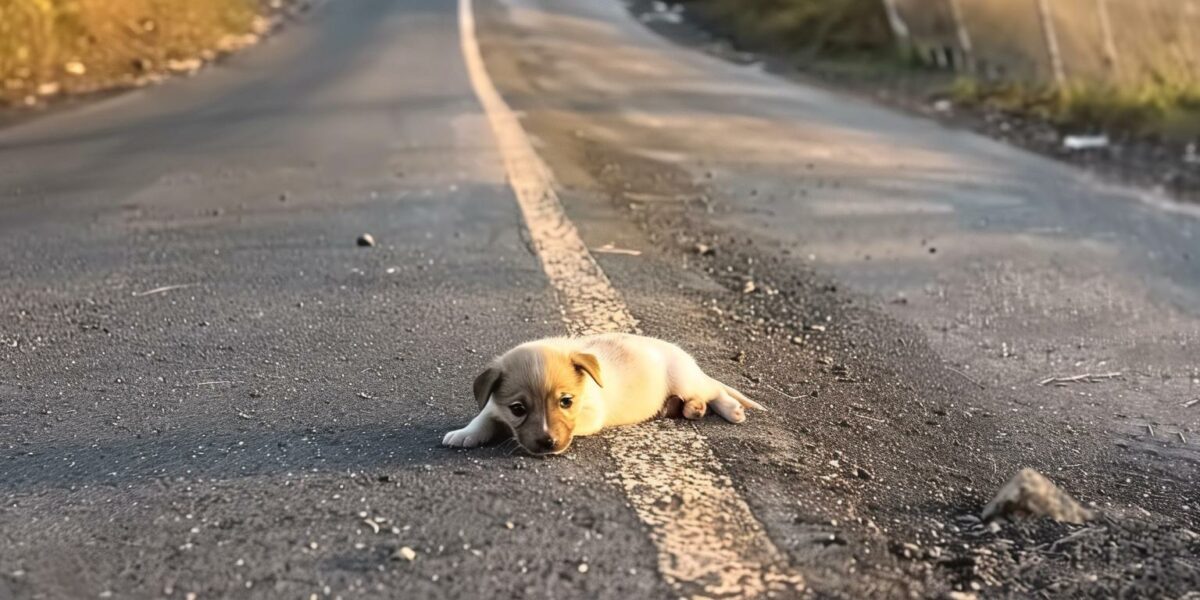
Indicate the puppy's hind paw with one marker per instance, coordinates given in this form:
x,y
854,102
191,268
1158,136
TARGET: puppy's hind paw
x,y
463,438
729,409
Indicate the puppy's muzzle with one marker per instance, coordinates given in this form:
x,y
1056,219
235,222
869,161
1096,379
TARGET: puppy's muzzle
x,y
545,444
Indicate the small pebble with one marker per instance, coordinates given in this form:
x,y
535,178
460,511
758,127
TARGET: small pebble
x,y
366,240
405,553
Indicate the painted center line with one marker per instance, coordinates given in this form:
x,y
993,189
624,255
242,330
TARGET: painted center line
x,y
709,543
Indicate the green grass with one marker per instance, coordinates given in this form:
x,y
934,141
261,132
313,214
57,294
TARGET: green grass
x,y
1161,110
803,28
851,39
70,46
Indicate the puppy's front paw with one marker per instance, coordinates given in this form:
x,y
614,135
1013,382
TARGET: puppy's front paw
x,y
463,438
695,409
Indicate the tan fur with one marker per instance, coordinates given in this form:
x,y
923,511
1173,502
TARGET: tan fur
x,y
610,380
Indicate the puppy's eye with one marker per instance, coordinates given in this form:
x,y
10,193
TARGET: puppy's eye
x,y
566,401
518,409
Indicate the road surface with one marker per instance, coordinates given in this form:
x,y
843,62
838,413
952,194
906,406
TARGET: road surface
x,y
208,390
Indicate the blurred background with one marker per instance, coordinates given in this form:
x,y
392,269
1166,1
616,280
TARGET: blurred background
x,y
50,48
1129,65
1125,66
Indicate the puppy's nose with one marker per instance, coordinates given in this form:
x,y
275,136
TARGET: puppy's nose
x,y
547,443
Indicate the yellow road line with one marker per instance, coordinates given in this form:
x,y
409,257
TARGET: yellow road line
x,y
709,543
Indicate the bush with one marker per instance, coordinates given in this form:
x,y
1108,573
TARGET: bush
x,y
809,27
1163,110
84,45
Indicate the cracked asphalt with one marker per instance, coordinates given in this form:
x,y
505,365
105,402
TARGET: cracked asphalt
x,y
207,388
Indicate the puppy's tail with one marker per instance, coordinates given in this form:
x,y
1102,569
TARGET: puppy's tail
x,y
741,398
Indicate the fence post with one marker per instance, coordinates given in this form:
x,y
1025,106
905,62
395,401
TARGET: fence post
x,y
964,36
1187,39
1110,44
1056,63
899,27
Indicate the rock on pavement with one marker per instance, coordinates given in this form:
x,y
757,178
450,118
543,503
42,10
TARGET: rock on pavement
x,y
1029,493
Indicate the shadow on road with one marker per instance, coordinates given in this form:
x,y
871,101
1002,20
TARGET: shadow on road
x,y
376,451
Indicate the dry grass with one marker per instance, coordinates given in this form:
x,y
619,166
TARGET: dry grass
x,y
51,47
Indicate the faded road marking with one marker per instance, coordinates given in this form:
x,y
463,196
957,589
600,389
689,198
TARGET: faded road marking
x,y
709,543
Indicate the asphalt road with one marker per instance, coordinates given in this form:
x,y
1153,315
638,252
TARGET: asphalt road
x,y
207,388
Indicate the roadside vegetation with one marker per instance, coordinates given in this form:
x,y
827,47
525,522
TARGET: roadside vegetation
x,y
50,48
804,29
852,39
1166,111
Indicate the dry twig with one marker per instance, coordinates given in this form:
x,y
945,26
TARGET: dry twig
x,y
611,249
165,288
1076,535
1081,378
869,418
968,378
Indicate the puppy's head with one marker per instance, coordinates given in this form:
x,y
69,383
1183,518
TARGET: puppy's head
x,y
536,390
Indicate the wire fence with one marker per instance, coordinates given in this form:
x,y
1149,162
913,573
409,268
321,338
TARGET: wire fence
x,y
1124,43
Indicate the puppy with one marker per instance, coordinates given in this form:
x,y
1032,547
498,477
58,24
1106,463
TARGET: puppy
x,y
546,392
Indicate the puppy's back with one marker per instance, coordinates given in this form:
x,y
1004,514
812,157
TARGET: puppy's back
x,y
635,372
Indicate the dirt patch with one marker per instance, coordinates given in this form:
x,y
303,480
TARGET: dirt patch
x,y
52,50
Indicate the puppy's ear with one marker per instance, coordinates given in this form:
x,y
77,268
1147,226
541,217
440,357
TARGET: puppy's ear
x,y
588,364
486,383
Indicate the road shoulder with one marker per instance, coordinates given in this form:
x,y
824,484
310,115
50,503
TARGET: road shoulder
x,y
877,452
